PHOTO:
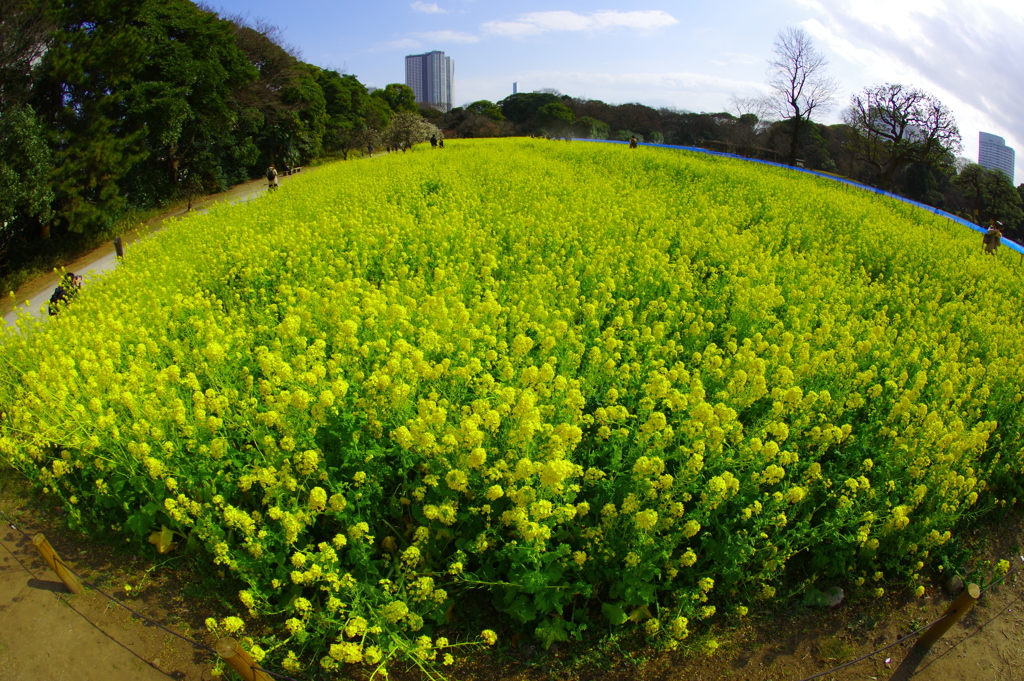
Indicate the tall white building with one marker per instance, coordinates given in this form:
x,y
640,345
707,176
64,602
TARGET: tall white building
x,y
431,77
994,154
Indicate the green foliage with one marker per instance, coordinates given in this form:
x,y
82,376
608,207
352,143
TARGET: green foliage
x,y
599,386
24,25
306,119
25,194
555,117
399,97
183,97
352,113
991,194
96,53
592,128
521,108
487,109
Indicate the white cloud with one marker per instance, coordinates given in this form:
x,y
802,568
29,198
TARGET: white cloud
x,y
668,80
684,91
535,23
737,59
426,7
449,37
687,89
403,44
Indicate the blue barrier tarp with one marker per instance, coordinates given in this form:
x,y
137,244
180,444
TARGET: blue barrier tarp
x,y
1012,245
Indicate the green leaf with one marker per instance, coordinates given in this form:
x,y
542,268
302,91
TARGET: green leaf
x,y
614,613
162,540
551,631
142,520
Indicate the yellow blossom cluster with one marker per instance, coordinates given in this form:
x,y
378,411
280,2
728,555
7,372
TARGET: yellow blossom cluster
x,y
560,373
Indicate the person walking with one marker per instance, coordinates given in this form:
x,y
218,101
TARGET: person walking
x,y
632,142
272,177
992,237
433,141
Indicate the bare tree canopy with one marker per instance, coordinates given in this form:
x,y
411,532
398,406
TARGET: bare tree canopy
x,y
24,25
798,85
893,124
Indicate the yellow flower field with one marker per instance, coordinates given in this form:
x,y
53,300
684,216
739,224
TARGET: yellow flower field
x,y
591,384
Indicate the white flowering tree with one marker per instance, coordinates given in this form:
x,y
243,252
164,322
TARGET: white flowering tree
x,y
408,129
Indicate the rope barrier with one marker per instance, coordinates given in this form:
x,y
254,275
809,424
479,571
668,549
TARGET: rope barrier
x,y
196,644
1003,578
1012,245
95,588
924,628
875,652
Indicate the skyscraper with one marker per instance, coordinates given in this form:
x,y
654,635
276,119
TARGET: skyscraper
x,y
431,76
994,154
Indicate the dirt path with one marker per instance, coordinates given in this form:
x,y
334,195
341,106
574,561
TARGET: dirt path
x,y
49,634
46,633
101,260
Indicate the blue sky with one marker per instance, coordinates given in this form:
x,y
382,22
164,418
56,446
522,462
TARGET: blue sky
x,y
689,55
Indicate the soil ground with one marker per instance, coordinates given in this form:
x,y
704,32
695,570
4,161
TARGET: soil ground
x,y
47,634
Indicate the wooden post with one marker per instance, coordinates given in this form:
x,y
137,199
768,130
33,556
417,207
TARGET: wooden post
x,y
53,560
960,607
119,247
232,652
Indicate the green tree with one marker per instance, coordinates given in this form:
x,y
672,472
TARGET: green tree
x,y
592,128
431,114
555,118
486,109
476,120
184,96
521,108
94,56
25,167
284,108
24,29
399,98
378,114
991,195
307,120
892,125
348,111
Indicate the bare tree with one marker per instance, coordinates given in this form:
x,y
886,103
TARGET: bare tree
x,y
798,86
746,106
24,28
892,125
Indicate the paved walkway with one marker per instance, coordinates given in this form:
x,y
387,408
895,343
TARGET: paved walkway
x,y
33,296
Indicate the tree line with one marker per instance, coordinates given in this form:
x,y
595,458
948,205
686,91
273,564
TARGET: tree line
x,y
893,136
107,106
